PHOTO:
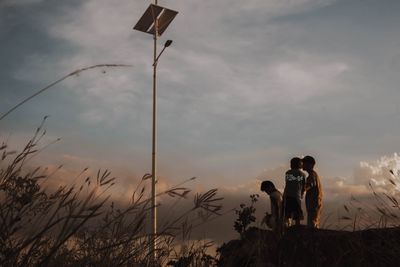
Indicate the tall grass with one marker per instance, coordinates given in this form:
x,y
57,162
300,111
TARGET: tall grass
x,y
79,225
382,211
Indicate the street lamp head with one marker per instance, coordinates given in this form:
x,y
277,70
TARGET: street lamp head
x,y
168,43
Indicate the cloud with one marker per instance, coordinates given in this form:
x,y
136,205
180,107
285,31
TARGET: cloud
x,y
101,31
231,87
217,90
299,81
337,189
379,173
279,8
337,192
18,2
340,190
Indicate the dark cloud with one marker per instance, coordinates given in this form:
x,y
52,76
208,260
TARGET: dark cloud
x,y
270,80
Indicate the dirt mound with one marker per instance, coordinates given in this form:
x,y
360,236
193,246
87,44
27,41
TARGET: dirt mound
x,y
302,247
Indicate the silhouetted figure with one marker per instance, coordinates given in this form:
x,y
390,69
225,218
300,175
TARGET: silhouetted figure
x,y
295,180
313,193
273,220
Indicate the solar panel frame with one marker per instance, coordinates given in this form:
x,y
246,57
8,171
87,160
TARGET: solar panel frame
x,y
154,12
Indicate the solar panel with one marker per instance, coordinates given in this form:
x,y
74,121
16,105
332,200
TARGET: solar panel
x,y
154,13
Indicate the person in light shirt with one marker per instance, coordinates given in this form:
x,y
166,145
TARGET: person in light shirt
x,y
295,180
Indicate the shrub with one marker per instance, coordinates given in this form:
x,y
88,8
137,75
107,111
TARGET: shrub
x,y
245,215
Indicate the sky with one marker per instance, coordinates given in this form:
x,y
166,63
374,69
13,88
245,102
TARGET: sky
x,y
245,86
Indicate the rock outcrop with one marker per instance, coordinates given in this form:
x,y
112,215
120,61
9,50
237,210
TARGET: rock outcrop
x,y
303,247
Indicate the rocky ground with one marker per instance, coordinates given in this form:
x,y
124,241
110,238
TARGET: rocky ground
x,y
302,247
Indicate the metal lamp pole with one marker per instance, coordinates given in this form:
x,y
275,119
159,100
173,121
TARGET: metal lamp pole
x,y
155,21
153,242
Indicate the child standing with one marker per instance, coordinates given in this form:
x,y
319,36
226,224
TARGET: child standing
x,y
314,193
294,190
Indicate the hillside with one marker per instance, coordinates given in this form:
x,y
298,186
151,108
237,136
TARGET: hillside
x,y
302,247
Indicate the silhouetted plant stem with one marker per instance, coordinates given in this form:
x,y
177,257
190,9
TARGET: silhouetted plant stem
x,y
76,72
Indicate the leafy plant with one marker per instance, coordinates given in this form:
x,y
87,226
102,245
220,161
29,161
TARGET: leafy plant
x,y
245,215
